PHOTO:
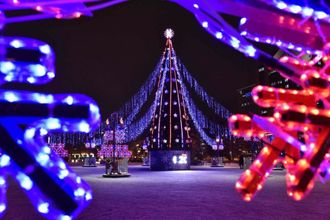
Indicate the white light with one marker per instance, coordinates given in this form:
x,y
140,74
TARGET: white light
x,y
281,5
303,148
51,74
290,46
69,100
169,33
196,6
45,49
24,181
2,207
61,164
9,78
63,174
53,123
88,196
29,133
183,159
218,35
279,43
43,207
235,42
46,150
44,99
79,192
31,79
42,158
205,24
16,43
174,159
290,140
295,9
251,51
65,217
6,67
43,131
4,160
307,11
244,33
78,180
2,181
38,70
242,21
320,14
94,109
84,127
11,97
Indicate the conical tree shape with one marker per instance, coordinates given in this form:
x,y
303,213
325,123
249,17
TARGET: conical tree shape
x,y
170,127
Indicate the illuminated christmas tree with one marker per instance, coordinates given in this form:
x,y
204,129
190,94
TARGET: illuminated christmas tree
x,y
170,127
170,139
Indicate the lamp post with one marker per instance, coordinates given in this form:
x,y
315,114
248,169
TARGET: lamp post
x,y
217,160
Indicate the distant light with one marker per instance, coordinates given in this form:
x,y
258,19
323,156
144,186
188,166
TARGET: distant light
x,y
169,33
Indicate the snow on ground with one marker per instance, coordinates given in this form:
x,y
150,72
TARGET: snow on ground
x,y
200,193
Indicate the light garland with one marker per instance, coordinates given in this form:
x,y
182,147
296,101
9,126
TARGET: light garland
x,y
216,107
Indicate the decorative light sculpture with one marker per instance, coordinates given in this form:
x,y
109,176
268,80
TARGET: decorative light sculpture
x,y
46,179
27,117
295,110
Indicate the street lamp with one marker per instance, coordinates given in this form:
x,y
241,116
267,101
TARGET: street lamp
x,y
217,161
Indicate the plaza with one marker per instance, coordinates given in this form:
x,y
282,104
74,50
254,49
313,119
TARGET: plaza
x,y
200,193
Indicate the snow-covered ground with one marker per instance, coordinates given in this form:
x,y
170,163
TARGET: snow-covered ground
x,y
200,193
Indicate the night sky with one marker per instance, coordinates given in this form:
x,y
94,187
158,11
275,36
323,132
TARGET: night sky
x,y
110,55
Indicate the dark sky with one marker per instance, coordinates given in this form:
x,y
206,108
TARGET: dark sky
x,y
109,56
